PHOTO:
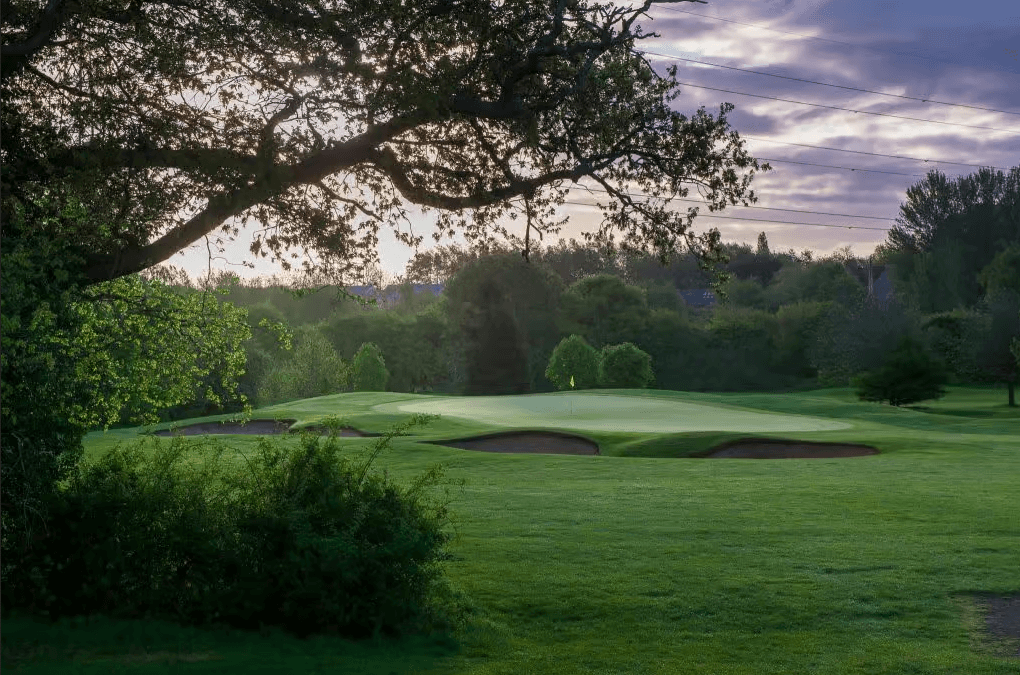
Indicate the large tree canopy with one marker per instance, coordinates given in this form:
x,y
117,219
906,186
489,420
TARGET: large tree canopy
x,y
319,120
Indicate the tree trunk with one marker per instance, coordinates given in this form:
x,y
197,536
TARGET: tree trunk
x,y
1012,394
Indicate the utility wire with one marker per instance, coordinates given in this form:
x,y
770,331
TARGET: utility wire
x,y
874,154
839,86
848,168
764,208
834,107
838,42
764,220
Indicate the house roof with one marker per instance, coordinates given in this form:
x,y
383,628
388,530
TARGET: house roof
x,y
698,297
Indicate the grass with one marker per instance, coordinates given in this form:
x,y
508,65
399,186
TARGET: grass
x,y
641,560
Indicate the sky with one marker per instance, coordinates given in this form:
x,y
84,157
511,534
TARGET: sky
x,y
961,53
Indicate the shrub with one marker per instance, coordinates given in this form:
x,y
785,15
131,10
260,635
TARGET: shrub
x,y
312,368
303,542
624,366
370,372
573,357
908,375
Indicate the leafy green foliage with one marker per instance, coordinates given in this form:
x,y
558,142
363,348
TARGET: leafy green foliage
x,y
663,295
145,347
851,341
908,375
573,359
604,310
531,293
824,281
954,337
1003,273
412,344
796,327
995,359
624,366
312,368
950,231
745,293
306,541
78,358
370,372
496,352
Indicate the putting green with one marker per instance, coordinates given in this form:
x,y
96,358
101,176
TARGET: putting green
x,y
609,413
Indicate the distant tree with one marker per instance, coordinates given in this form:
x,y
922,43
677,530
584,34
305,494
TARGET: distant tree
x,y
1014,346
995,357
674,344
954,337
312,368
604,310
908,375
1003,272
663,295
745,293
852,340
949,231
763,245
532,293
370,373
797,325
624,366
758,266
573,359
572,261
823,281
496,352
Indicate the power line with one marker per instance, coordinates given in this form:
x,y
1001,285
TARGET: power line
x,y
838,42
838,86
875,154
764,208
848,168
834,107
763,220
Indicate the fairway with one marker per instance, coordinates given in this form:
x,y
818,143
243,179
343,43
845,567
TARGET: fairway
x,y
609,412
628,562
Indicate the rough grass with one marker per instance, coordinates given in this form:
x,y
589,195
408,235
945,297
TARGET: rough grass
x,y
643,561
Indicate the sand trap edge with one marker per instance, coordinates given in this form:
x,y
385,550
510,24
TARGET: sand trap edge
x,y
525,442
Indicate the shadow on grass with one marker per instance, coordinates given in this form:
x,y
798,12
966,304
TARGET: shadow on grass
x,y
101,645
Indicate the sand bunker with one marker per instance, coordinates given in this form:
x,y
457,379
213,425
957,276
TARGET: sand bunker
x,y
252,428
527,442
770,448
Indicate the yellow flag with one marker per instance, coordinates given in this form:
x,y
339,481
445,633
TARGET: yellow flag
x,y
571,381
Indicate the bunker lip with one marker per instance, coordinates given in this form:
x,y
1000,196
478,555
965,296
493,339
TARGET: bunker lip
x,y
774,448
252,428
528,442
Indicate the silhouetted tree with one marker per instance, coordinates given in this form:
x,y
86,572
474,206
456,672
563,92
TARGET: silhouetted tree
x,y
497,359
908,375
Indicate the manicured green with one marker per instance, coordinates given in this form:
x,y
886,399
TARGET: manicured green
x,y
643,560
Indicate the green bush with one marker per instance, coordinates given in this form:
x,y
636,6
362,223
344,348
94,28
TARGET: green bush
x,y
624,366
908,375
370,372
312,368
305,542
574,358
